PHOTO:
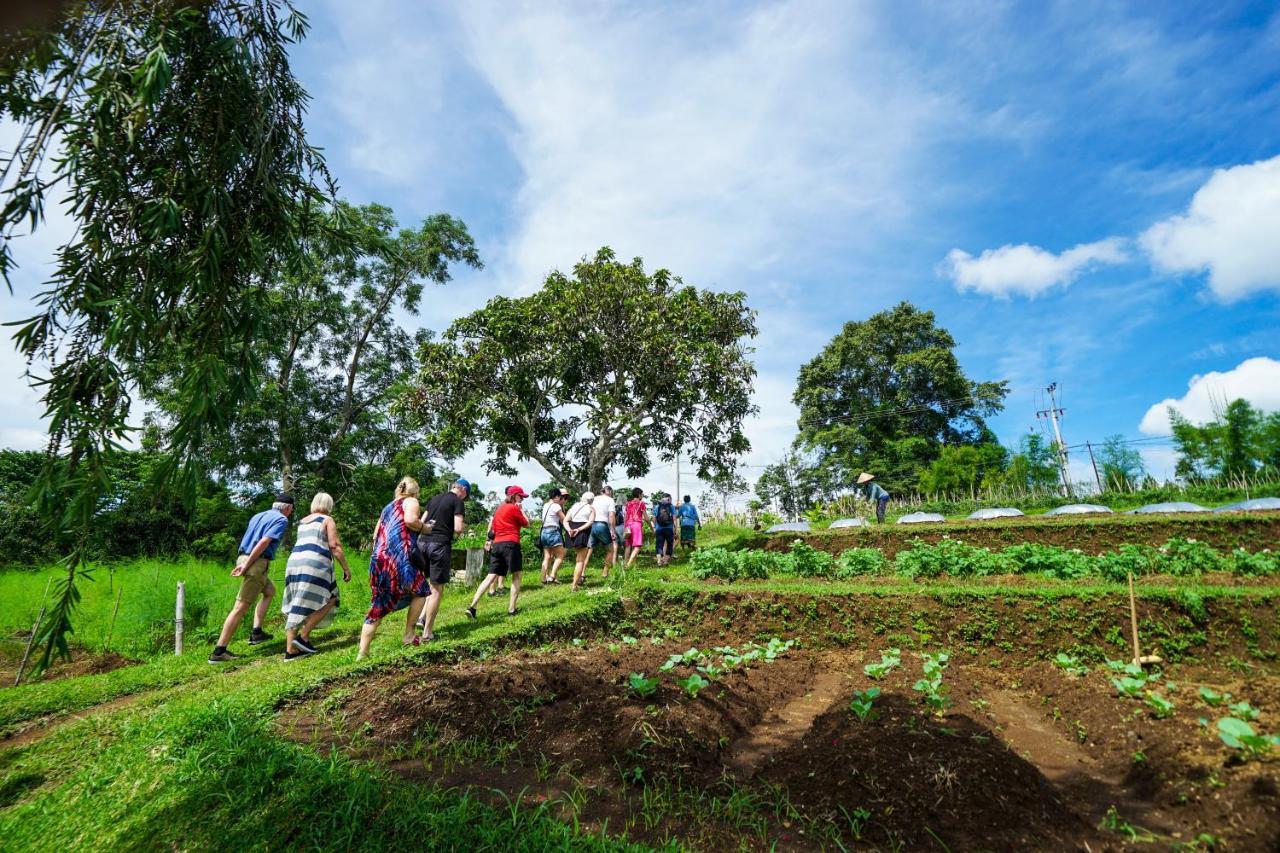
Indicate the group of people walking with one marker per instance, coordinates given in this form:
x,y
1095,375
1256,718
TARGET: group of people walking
x,y
413,555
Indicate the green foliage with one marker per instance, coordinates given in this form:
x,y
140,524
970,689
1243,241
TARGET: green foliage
x,y
1033,468
1238,734
1121,464
1070,664
1161,707
1213,698
862,702
855,562
480,383
963,469
808,562
888,661
795,485
949,556
1138,559
886,395
1239,442
1048,560
1257,564
1189,558
1244,710
933,691
693,685
641,686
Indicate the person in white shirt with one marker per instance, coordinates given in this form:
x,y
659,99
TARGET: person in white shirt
x,y
603,530
577,522
550,538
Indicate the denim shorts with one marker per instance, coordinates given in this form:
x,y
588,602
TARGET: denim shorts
x,y
551,537
600,535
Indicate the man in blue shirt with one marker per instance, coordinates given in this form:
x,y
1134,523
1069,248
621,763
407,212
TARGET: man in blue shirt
x,y
664,529
258,545
689,524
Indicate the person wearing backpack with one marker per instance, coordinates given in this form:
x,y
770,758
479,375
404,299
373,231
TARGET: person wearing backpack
x,y
664,529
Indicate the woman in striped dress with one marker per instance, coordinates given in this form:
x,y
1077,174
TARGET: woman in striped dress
x,y
394,582
310,589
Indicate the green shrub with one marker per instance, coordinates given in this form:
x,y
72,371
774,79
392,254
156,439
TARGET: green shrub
x,y
860,561
755,564
1139,559
808,562
1056,562
714,563
950,557
1241,562
1189,557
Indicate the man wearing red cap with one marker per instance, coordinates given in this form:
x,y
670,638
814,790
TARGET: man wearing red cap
x,y
504,548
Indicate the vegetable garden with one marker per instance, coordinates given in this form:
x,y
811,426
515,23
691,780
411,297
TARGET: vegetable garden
x,y
945,694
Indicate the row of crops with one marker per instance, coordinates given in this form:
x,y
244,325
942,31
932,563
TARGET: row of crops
x,y
1178,557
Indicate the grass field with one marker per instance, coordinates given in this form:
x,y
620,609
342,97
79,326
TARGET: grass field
x,y
527,732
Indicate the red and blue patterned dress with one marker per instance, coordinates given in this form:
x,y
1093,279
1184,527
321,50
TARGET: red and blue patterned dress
x,y
393,580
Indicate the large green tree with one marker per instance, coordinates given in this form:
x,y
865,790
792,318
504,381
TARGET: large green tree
x,y
793,485
886,394
1033,467
175,133
964,469
339,351
601,369
1240,440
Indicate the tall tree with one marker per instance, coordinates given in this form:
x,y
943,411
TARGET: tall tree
x,y
1238,441
886,394
1033,467
340,351
175,132
597,370
793,485
964,469
1122,466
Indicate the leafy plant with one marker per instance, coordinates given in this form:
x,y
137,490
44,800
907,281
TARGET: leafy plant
x,y
693,685
1189,557
1212,697
641,686
807,561
860,561
1069,664
888,661
935,692
1238,734
1244,711
862,702
1161,706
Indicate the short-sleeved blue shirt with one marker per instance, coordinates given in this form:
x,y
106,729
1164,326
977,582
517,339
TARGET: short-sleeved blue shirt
x,y
270,522
658,524
688,514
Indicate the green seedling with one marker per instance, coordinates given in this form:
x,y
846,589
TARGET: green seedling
x,y
641,686
1213,698
888,661
711,671
1161,706
629,640
693,685
1238,734
862,702
1070,665
1244,711
672,662
1131,687
776,648
935,692
692,655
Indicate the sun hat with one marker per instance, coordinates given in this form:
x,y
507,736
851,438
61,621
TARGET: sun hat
x,y
516,490
864,477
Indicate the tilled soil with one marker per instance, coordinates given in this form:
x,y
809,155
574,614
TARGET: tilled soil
x,y
82,662
1024,757
1097,534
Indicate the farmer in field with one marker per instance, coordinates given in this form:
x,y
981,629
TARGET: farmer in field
x,y
664,530
310,589
874,493
444,521
687,513
257,547
504,548
604,534
395,582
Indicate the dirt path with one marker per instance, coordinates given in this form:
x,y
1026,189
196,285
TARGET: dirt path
x,y
786,725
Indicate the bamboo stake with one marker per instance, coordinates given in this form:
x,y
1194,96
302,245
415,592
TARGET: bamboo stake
x,y
17,679
178,608
112,626
1133,622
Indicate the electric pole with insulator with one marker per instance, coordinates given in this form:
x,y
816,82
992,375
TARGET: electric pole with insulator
x,y
1052,414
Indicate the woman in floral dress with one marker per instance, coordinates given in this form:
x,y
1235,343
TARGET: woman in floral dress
x,y
395,583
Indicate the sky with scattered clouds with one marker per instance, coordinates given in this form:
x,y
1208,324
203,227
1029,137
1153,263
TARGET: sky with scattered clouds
x,y
1085,193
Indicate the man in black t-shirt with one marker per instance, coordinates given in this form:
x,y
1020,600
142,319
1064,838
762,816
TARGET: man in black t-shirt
x,y
443,519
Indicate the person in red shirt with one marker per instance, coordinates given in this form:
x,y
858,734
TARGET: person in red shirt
x,y
503,546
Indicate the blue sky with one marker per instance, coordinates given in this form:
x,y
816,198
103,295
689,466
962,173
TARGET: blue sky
x,y
1085,193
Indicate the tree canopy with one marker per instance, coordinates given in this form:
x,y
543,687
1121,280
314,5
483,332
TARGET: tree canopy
x,y
886,394
1240,440
598,370
175,133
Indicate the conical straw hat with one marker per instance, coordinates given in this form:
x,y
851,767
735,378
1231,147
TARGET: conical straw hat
x,y
864,477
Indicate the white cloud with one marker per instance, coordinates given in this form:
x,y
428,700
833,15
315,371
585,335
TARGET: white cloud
x,y
1229,230
1028,270
1256,380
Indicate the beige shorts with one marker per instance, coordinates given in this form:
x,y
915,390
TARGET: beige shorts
x,y
254,580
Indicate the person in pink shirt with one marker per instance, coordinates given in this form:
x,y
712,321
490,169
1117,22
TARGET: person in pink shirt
x,y
635,515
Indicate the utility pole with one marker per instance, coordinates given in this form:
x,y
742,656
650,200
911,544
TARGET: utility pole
x,y
1095,466
1053,413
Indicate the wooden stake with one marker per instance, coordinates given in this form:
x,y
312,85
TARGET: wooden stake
x,y
178,608
112,627
1138,657
17,679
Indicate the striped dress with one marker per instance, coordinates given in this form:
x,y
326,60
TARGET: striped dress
x,y
393,580
309,583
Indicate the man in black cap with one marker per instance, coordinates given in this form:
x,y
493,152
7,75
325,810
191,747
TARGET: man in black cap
x,y
257,547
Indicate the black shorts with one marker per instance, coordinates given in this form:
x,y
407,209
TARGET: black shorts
x,y
666,537
439,561
504,558
581,539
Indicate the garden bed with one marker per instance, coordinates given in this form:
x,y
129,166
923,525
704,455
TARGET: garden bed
x,y
1024,756
1095,535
